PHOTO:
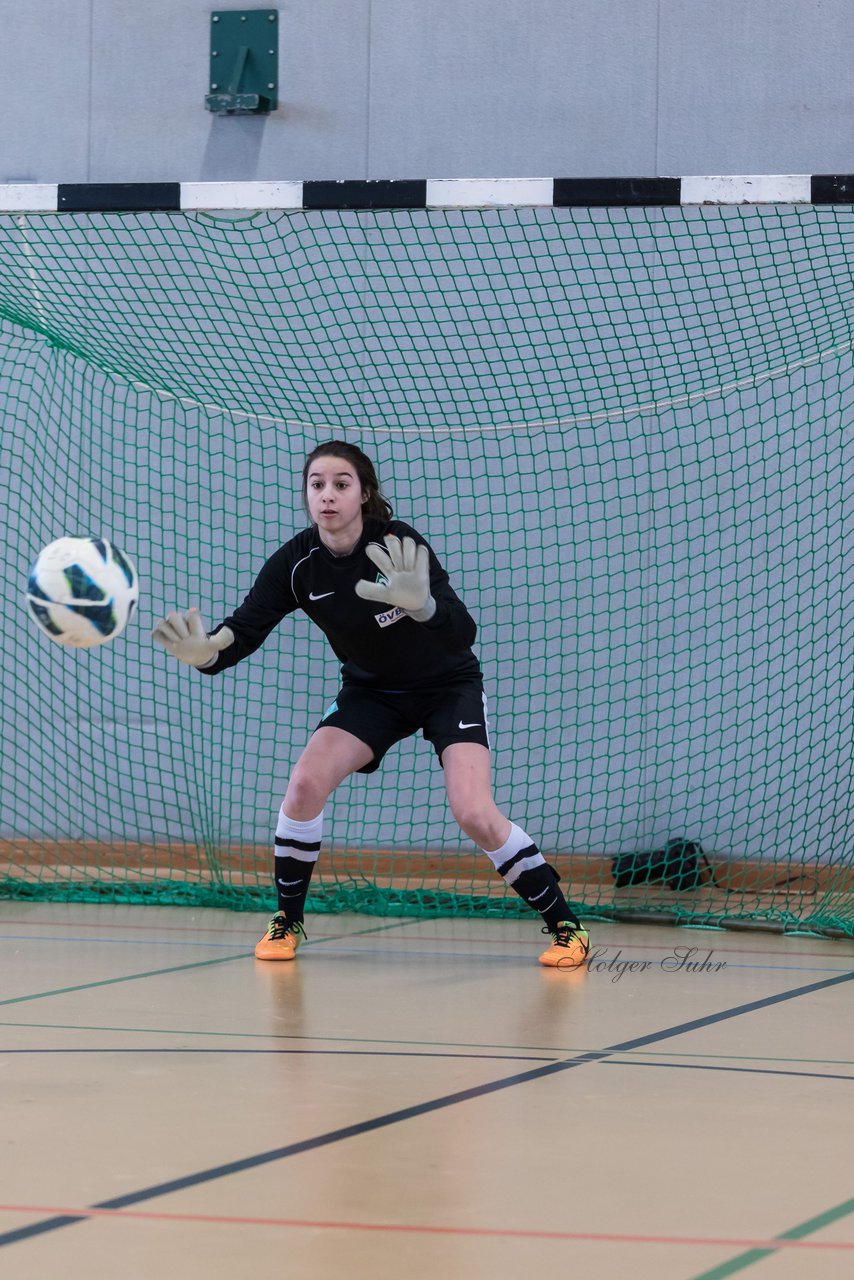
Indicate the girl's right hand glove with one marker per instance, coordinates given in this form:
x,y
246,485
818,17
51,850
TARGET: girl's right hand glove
x,y
184,636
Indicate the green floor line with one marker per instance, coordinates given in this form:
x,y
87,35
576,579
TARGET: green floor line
x,y
179,968
129,977
745,1260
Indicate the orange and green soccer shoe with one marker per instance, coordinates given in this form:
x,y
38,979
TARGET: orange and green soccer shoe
x,y
569,948
281,940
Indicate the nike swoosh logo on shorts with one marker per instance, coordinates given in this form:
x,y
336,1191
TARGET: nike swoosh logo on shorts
x,y
474,725
322,595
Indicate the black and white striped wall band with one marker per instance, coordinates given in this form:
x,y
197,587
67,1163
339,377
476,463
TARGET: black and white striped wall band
x,y
425,193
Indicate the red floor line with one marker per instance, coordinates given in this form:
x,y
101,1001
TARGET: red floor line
x,y
502,1232
157,928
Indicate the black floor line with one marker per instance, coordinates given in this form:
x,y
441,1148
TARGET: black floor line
x,y
411,1113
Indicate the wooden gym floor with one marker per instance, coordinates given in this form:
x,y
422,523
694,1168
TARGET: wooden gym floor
x,y
419,1099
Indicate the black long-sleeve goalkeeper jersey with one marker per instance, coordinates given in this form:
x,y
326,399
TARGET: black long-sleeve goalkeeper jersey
x,y
378,645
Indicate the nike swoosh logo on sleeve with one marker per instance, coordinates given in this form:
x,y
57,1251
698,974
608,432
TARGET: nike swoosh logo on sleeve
x,y
322,595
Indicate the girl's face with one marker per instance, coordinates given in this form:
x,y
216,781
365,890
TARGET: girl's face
x,y
335,498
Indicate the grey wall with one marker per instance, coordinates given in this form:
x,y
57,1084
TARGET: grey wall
x,y
112,90
96,90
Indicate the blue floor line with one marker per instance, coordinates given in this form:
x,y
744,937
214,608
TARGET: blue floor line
x,y
439,954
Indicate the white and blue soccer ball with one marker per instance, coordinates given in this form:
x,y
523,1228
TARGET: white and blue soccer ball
x,y
82,591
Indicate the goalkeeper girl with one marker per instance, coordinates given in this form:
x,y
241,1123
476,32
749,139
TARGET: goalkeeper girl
x,y
376,590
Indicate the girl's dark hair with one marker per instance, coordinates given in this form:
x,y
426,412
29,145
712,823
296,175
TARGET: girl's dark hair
x,y
374,504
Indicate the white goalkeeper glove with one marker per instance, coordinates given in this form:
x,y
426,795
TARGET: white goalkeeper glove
x,y
406,568
184,636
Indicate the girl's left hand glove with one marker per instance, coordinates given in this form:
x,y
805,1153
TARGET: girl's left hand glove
x,y
406,567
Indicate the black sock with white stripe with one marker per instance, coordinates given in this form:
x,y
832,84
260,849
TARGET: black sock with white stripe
x,y
525,869
297,849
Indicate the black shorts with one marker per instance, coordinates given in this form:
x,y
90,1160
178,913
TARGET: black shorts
x,y
380,717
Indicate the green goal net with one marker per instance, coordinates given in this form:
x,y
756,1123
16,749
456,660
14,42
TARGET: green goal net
x,y
627,434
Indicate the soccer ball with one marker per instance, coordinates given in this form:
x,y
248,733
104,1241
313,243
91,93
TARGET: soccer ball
x,y
82,591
